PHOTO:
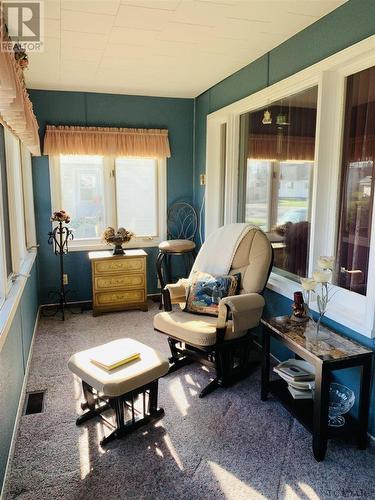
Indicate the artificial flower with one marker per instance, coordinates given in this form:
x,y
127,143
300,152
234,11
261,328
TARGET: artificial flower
x,y
122,236
308,284
322,276
326,262
60,216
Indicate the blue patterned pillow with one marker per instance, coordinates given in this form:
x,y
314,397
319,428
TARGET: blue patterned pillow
x,y
206,291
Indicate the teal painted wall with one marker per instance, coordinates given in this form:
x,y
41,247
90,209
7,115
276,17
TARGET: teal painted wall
x,y
13,361
78,108
352,22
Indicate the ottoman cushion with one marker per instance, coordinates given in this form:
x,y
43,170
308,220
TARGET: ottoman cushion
x,y
126,378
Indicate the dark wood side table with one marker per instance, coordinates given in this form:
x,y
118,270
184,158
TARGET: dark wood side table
x,y
334,353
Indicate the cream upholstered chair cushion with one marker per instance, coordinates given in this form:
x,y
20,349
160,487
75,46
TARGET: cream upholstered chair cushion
x,y
177,246
199,329
126,378
252,259
195,329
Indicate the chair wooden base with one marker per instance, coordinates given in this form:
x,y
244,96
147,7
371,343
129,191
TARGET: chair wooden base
x,y
231,360
96,404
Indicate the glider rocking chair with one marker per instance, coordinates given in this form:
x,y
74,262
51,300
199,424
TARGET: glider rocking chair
x,y
224,341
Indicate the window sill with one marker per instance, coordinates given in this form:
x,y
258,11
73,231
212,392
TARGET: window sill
x,y
9,308
349,310
83,246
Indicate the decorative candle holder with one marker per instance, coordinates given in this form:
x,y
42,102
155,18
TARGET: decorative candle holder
x,y
59,238
298,309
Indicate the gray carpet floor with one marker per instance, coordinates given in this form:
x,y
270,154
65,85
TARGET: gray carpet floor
x,y
228,445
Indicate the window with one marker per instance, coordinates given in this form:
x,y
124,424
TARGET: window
x,y
82,194
357,182
15,199
277,176
323,179
4,207
28,199
137,195
102,191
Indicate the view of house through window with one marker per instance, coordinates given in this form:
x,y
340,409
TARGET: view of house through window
x,y
276,174
357,182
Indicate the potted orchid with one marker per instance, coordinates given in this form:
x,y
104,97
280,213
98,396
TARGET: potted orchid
x,y
319,285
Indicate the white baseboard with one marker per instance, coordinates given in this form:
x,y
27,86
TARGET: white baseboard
x,y
20,407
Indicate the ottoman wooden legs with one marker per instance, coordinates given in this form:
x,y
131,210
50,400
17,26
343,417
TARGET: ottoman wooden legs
x,y
123,406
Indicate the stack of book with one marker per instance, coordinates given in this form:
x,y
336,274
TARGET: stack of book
x,y
109,359
300,377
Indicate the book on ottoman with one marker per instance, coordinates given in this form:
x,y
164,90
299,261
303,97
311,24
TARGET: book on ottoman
x,y
109,359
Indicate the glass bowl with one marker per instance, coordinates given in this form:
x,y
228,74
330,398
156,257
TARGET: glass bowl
x,y
341,400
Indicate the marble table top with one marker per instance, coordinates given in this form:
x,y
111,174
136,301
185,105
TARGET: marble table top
x,y
333,346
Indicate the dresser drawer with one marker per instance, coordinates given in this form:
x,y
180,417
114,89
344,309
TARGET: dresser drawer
x,y
124,281
120,297
119,265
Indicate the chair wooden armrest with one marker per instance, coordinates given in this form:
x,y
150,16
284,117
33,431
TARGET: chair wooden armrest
x,y
246,311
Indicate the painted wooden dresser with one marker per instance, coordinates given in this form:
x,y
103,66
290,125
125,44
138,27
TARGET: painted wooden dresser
x,y
119,282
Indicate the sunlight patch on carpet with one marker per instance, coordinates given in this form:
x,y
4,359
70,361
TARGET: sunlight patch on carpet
x,y
232,487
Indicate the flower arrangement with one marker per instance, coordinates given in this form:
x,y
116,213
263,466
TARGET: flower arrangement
x,y
21,56
110,236
60,216
320,279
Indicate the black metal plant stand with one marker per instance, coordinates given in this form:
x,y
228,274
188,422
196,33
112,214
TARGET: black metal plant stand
x,y
59,238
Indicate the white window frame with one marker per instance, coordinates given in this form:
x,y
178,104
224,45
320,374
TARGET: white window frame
x,y
28,199
15,196
22,230
348,308
78,245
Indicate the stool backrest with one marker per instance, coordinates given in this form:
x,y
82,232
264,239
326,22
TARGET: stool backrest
x,y
182,221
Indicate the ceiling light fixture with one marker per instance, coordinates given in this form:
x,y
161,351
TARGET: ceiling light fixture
x,y
282,118
267,118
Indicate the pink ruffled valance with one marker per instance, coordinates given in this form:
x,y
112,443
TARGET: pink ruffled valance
x,y
16,111
135,142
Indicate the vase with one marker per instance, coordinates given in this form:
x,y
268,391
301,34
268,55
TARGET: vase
x,y
319,335
118,250
341,400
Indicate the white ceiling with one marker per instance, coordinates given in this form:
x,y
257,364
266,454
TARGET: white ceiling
x,y
175,48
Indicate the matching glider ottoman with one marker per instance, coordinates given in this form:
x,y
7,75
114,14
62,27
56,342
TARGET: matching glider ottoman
x,y
131,390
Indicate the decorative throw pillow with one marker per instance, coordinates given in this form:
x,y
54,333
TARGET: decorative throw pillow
x,y
206,291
